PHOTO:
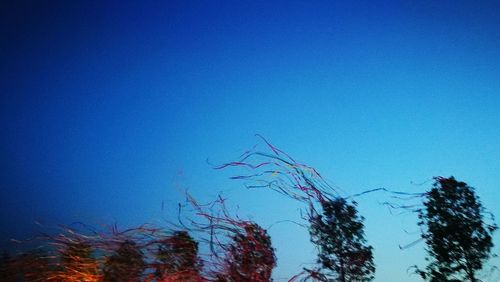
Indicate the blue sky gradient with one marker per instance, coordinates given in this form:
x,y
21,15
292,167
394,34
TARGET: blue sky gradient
x,y
110,108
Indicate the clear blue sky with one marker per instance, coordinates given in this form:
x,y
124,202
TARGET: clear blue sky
x,y
109,108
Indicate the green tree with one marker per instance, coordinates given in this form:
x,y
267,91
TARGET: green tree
x,y
250,257
177,258
343,251
126,264
458,239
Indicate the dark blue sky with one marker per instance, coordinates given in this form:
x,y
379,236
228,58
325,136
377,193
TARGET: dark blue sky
x,y
108,109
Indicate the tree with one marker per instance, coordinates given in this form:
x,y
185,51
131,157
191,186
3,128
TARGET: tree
x,y
7,270
126,264
457,238
177,258
338,233
250,257
77,262
34,265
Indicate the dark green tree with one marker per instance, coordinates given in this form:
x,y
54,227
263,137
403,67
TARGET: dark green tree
x,y
343,251
250,257
126,264
457,237
177,258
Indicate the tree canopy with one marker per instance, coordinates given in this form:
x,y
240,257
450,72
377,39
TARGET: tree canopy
x,y
457,237
251,256
126,263
177,255
77,262
343,251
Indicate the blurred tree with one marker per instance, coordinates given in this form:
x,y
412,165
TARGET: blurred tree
x,y
126,264
250,257
338,233
38,265
458,240
77,262
8,269
177,258
34,265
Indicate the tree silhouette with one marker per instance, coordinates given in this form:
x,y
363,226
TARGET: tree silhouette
x,y
250,257
7,270
338,233
126,264
177,258
33,265
458,240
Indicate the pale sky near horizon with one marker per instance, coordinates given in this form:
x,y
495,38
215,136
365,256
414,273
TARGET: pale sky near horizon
x,y
110,108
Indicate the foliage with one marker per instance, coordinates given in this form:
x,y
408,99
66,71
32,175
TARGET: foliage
x,y
33,265
338,233
251,256
78,263
458,239
126,264
177,255
6,267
